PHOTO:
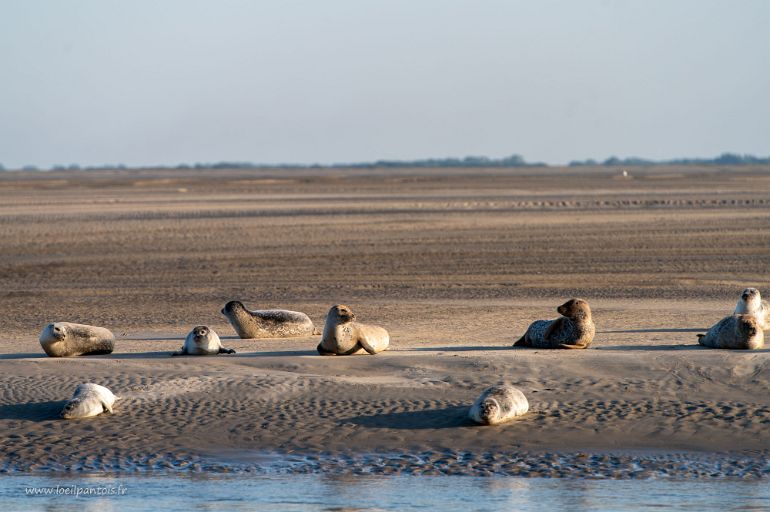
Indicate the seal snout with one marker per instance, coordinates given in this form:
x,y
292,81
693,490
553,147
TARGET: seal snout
x,y
344,313
58,331
200,334
232,306
66,413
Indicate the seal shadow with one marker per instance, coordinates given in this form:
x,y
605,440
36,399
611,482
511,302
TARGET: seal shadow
x,y
28,355
462,348
139,355
34,411
653,348
632,331
449,417
279,353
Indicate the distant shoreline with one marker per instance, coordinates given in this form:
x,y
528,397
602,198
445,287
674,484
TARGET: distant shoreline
x,y
468,162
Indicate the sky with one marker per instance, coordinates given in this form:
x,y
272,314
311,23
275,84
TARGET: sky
x,y
143,82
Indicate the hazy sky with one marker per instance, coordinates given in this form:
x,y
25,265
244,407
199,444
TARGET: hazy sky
x,y
163,82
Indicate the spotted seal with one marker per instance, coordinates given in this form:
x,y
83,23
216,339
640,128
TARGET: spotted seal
x,y
736,332
751,303
65,339
89,400
575,329
267,323
344,336
202,341
498,404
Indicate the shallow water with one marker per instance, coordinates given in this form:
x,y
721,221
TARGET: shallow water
x,y
319,492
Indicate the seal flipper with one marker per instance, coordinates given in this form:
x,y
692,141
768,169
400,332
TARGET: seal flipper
x,y
321,350
564,345
223,350
366,346
316,332
107,408
182,352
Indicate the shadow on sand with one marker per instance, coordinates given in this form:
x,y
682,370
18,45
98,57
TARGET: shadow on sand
x,y
35,411
287,353
449,417
139,355
167,354
460,348
22,356
632,331
650,347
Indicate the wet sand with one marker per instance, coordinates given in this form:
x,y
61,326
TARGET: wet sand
x,y
454,263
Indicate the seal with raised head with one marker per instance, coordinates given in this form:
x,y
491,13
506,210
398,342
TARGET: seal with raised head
x,y
751,303
344,336
65,339
202,341
575,329
736,332
89,400
498,404
267,323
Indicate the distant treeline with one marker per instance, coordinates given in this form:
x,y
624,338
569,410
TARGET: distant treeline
x,y
468,161
723,159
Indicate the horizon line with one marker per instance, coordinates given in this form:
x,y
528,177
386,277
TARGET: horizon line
x,y
512,161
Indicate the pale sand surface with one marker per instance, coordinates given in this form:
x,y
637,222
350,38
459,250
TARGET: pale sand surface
x,y
455,264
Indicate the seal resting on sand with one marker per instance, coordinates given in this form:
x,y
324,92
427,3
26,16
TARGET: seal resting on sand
x,y
65,339
751,303
736,332
344,336
202,341
89,400
573,330
498,404
267,323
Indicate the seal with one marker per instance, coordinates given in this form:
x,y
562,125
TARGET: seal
x,y
344,336
736,332
202,341
267,323
498,404
751,303
65,339
89,400
575,329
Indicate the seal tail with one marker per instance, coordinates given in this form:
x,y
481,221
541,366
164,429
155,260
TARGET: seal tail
x,y
700,336
521,342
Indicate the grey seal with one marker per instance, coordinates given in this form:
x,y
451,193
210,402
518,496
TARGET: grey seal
x,y
498,404
574,330
267,323
202,341
344,336
89,400
65,339
736,332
